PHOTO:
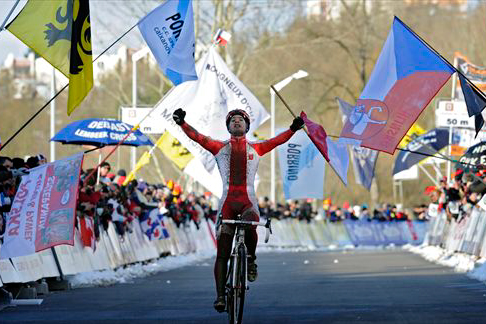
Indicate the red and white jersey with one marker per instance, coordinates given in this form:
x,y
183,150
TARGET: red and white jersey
x,y
237,161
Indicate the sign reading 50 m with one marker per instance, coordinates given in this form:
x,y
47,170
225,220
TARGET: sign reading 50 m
x,y
453,113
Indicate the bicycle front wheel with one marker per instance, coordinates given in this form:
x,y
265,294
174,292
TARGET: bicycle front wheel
x,y
239,289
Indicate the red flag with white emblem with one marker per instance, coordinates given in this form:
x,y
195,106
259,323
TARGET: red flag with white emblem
x,y
317,134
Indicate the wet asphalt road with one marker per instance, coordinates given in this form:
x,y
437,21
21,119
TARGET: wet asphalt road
x,y
376,286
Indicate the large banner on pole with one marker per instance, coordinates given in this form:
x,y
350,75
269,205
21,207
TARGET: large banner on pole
x,y
302,168
207,101
43,209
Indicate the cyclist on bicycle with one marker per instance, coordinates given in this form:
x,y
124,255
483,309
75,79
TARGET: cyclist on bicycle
x,y
237,160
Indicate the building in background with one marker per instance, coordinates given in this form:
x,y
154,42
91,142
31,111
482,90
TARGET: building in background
x,y
332,9
32,74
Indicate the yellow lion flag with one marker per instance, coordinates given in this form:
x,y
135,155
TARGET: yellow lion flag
x,y
174,150
60,32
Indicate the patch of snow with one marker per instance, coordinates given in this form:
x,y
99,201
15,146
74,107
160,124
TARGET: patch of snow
x,y
479,272
460,262
127,274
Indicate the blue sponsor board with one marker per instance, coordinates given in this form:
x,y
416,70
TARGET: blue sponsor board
x,y
364,232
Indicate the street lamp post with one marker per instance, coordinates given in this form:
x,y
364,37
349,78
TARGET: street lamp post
x,y
278,86
135,57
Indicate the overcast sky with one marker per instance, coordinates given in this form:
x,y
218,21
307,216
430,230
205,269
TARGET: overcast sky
x,y
8,42
99,10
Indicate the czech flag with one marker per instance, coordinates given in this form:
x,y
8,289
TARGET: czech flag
x,y
406,76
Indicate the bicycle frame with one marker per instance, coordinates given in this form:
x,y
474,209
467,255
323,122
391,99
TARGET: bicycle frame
x,y
236,279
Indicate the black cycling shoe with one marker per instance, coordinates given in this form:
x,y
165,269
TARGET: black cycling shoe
x,y
220,304
252,271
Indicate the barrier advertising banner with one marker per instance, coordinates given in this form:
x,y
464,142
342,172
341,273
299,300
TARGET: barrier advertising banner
x,y
43,209
377,233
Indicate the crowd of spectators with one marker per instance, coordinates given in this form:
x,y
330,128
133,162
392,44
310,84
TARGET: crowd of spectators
x,y
457,197
107,197
114,199
104,197
305,211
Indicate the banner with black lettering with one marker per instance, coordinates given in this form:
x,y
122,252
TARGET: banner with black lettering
x,y
169,33
207,101
302,168
476,74
43,210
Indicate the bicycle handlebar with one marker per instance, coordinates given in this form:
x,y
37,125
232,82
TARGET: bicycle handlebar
x,y
266,224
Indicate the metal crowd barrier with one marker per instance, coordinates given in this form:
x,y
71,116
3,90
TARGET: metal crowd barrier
x,y
466,235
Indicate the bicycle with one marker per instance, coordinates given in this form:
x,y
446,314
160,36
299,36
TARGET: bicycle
x,y
236,277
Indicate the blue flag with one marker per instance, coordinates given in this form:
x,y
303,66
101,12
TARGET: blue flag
x,y
364,159
425,145
168,31
364,162
475,102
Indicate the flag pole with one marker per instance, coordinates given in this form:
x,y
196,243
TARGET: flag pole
x,y
288,108
443,58
8,16
58,93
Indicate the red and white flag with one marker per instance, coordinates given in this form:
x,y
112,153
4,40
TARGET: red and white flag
x,y
222,37
86,225
317,134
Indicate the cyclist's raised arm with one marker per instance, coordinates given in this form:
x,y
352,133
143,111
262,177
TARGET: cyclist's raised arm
x,y
264,147
206,142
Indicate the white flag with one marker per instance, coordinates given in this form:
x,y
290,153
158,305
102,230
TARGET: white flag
x,y
302,168
210,180
207,102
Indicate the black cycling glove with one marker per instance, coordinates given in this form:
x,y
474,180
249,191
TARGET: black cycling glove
x,y
178,116
297,124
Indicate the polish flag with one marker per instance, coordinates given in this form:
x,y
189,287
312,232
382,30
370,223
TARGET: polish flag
x,y
87,232
222,37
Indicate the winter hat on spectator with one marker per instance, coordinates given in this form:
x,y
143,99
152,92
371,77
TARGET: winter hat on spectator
x,y
32,162
18,163
170,184
429,190
121,175
177,190
142,185
458,175
453,194
41,158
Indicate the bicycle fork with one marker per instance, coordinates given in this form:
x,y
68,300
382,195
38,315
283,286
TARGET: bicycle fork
x,y
240,242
